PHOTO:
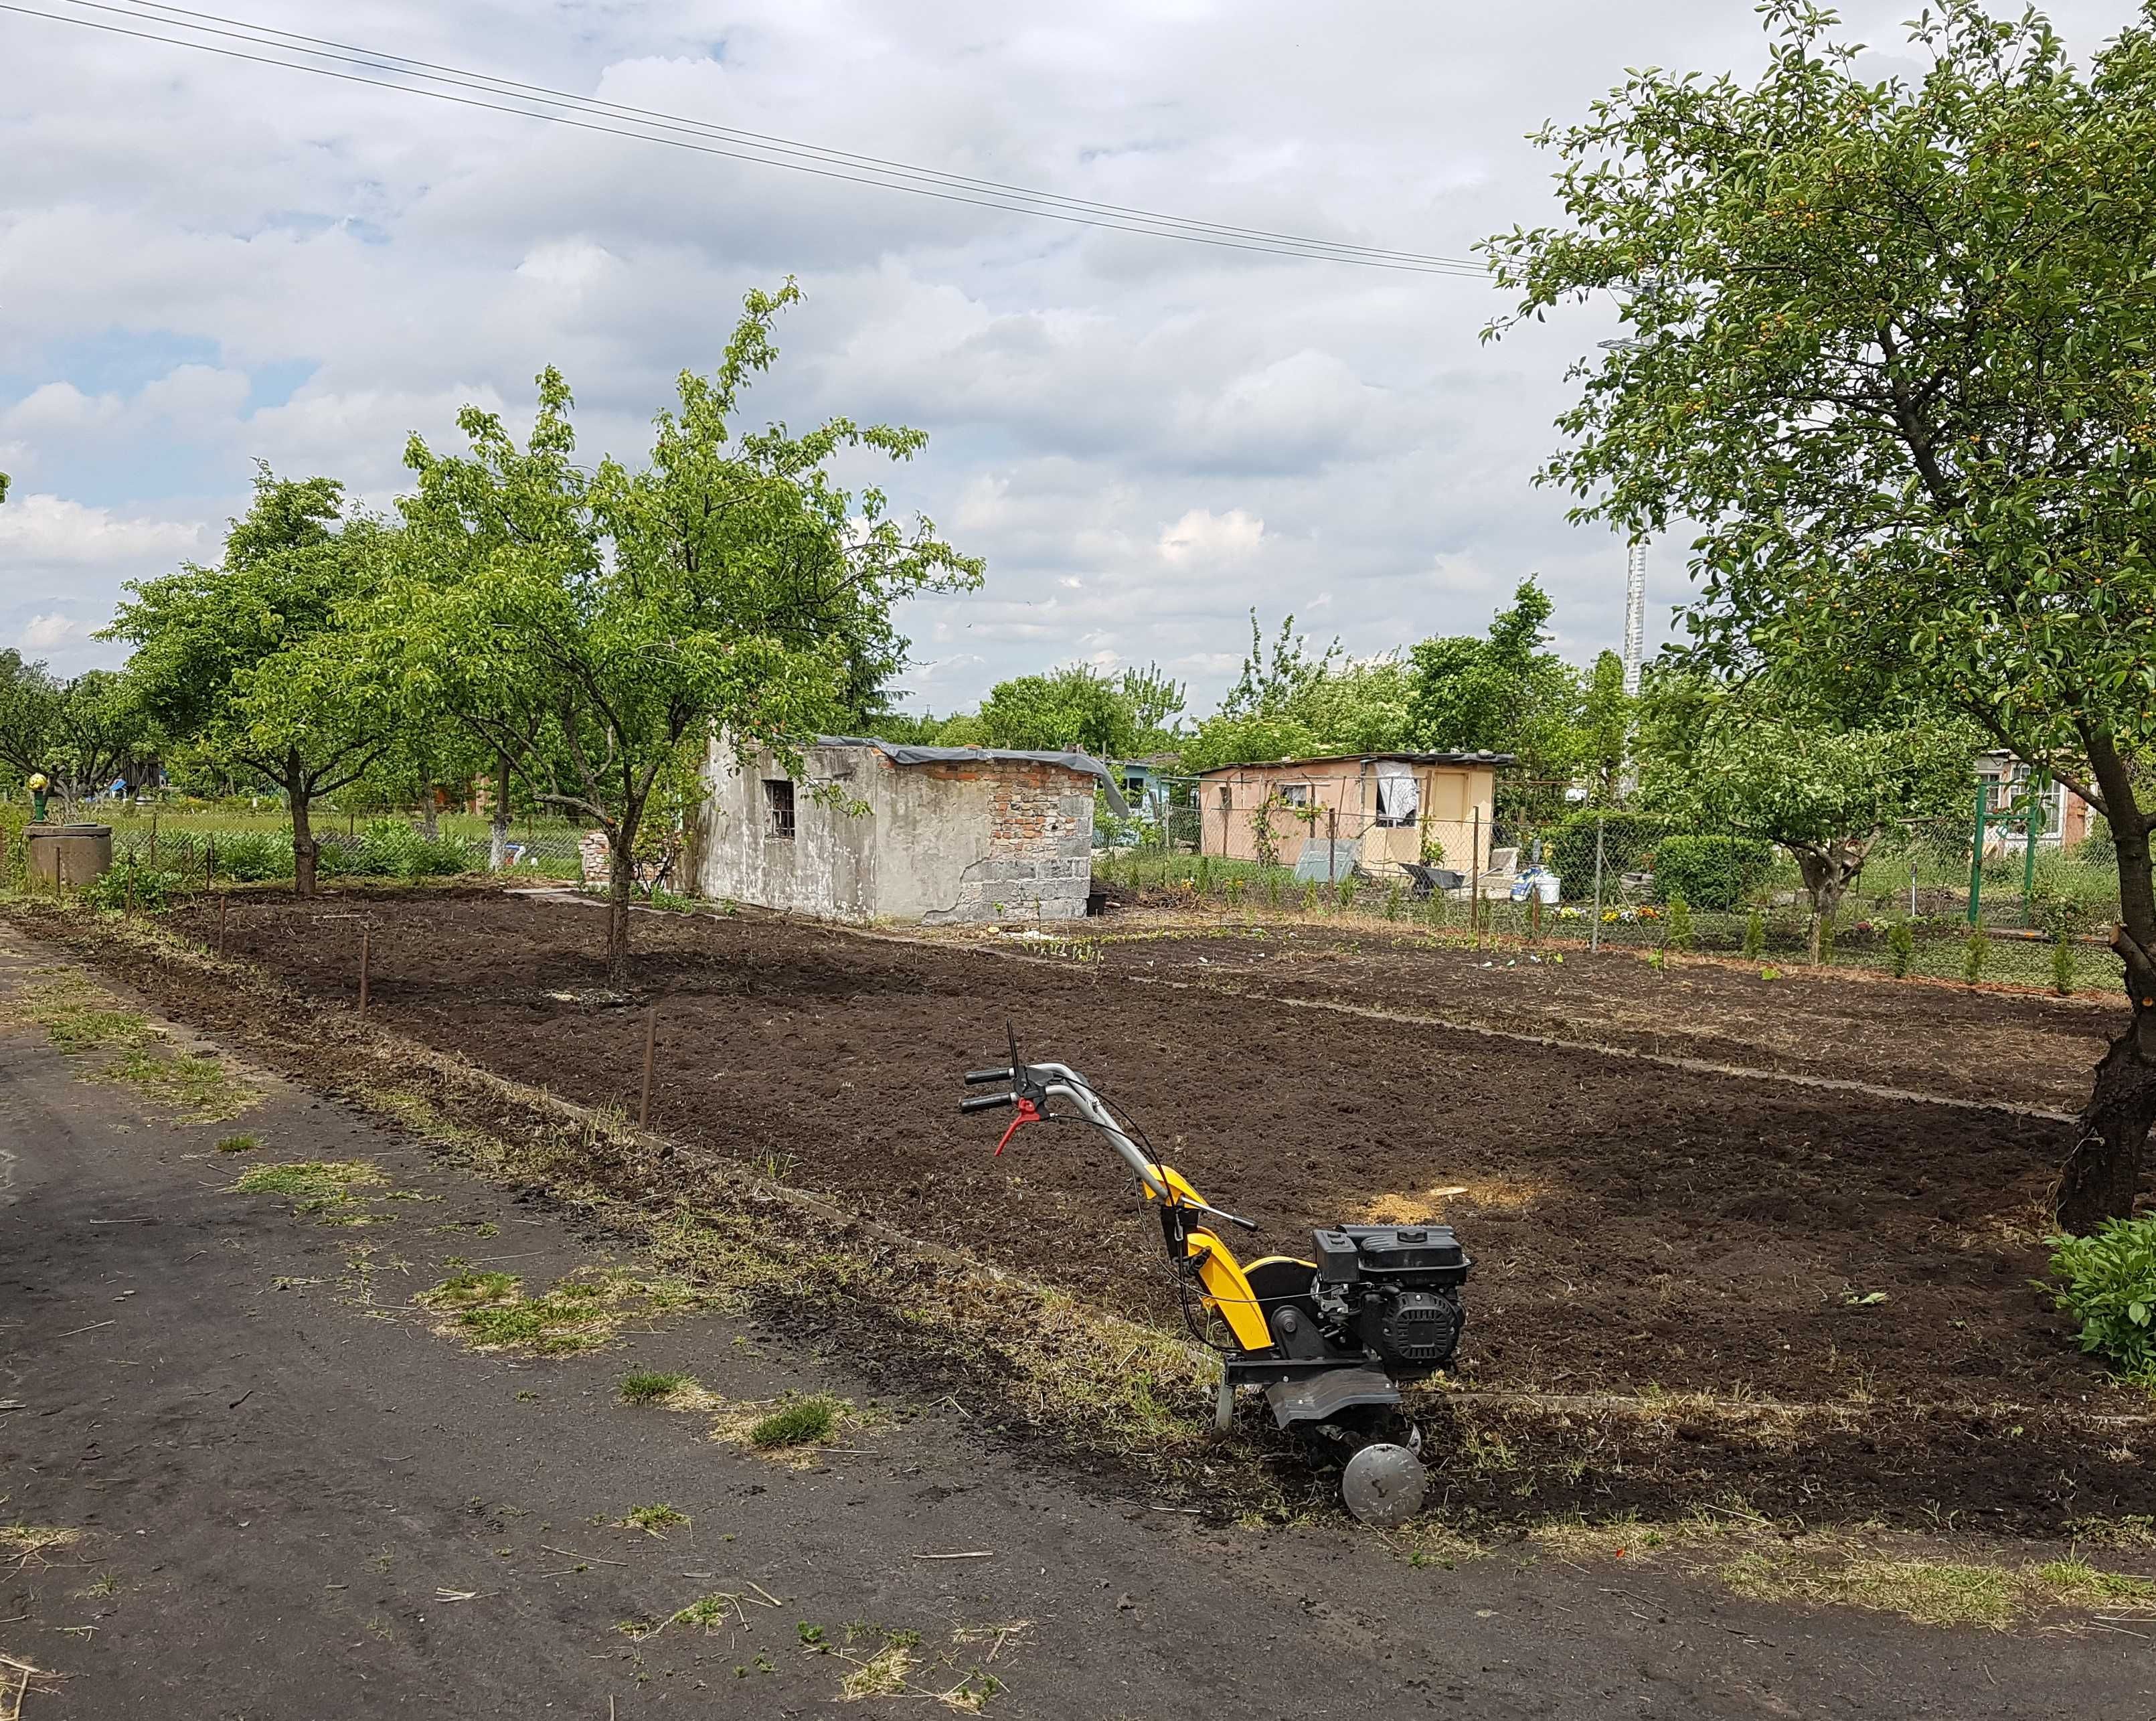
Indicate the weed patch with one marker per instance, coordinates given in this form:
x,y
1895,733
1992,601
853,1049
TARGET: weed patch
x,y
238,1143
649,1386
654,1520
200,1088
800,1424
309,1180
492,1310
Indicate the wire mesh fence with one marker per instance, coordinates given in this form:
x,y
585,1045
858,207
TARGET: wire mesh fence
x,y
2012,894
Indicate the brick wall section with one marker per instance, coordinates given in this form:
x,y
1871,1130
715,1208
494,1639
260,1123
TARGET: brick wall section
x,y
1040,864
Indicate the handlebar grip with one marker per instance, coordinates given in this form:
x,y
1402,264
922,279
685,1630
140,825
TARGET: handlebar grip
x,y
987,1102
974,1078
1248,1225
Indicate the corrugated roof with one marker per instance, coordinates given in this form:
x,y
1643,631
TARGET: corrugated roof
x,y
1405,759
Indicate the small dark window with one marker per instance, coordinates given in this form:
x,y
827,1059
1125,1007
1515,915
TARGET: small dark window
x,y
778,806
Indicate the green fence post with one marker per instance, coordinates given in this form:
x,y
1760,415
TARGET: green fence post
x,y
2031,829
1976,856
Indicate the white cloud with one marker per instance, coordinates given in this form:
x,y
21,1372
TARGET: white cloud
x,y
44,632
217,262
1203,539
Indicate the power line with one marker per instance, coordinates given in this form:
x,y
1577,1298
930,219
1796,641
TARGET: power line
x,y
383,60
586,114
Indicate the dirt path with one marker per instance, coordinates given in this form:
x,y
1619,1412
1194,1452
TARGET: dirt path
x,y
290,1499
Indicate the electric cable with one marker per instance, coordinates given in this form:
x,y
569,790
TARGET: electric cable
x,y
895,177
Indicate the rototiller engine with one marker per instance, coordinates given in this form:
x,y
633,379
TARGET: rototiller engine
x,y
1328,1341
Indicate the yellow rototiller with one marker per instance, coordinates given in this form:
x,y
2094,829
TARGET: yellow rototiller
x,y
1328,1341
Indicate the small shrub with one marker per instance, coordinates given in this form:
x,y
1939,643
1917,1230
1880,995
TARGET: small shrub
x,y
1394,896
1677,929
1826,939
1273,887
238,1144
2110,1286
800,1424
1755,936
2062,965
1344,893
147,888
1716,872
1234,889
1310,897
654,1520
1902,947
1201,876
1436,908
647,1386
1974,954
254,856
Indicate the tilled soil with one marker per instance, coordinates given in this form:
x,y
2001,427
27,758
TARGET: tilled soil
x,y
1991,1044
1636,1227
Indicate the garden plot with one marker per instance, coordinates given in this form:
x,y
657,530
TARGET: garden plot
x,y
1735,1284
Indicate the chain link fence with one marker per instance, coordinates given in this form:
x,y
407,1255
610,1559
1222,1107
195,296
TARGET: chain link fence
x,y
2015,892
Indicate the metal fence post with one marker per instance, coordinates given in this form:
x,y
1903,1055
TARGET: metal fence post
x,y
2029,830
1976,857
1594,927
1475,870
1331,843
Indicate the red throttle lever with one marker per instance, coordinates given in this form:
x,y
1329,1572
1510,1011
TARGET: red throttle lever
x,y
1028,1113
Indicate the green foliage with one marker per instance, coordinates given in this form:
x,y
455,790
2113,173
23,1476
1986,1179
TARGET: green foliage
x,y
1901,945
2062,965
390,847
1975,953
1289,702
147,888
1722,873
80,733
1607,714
1343,893
250,662
2109,1284
1676,925
800,1424
1233,890
1629,843
1394,895
1075,707
1755,935
598,624
1501,694
253,857
1892,361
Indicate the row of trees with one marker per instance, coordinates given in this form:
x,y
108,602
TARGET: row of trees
x,y
582,631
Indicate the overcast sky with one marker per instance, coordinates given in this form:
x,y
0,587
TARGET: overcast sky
x,y
204,262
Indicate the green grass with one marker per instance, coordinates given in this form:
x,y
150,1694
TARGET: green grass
x,y
648,1385
238,1143
201,1087
800,1424
654,1520
464,1290
308,1180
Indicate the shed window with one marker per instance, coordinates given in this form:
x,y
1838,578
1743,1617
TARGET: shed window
x,y
778,806
1294,794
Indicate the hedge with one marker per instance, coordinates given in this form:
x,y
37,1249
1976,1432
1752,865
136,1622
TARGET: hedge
x,y
1720,872
1628,840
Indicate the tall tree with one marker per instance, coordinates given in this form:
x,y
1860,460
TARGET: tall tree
x,y
1504,693
248,660
1156,699
600,628
1603,743
1822,780
1074,706
80,733
1891,352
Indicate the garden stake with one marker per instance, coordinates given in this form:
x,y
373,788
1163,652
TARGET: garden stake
x,y
1594,927
365,934
650,1044
223,902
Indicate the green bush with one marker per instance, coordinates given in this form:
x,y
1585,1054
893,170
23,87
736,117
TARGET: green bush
x,y
1715,872
1755,935
1902,944
1676,929
2062,965
2110,1286
148,888
1629,843
389,847
253,857
1975,955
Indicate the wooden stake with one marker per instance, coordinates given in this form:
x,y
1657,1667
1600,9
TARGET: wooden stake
x,y
365,937
223,902
651,1044
209,863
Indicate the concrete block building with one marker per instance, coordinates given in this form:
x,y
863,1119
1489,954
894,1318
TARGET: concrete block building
x,y
873,830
